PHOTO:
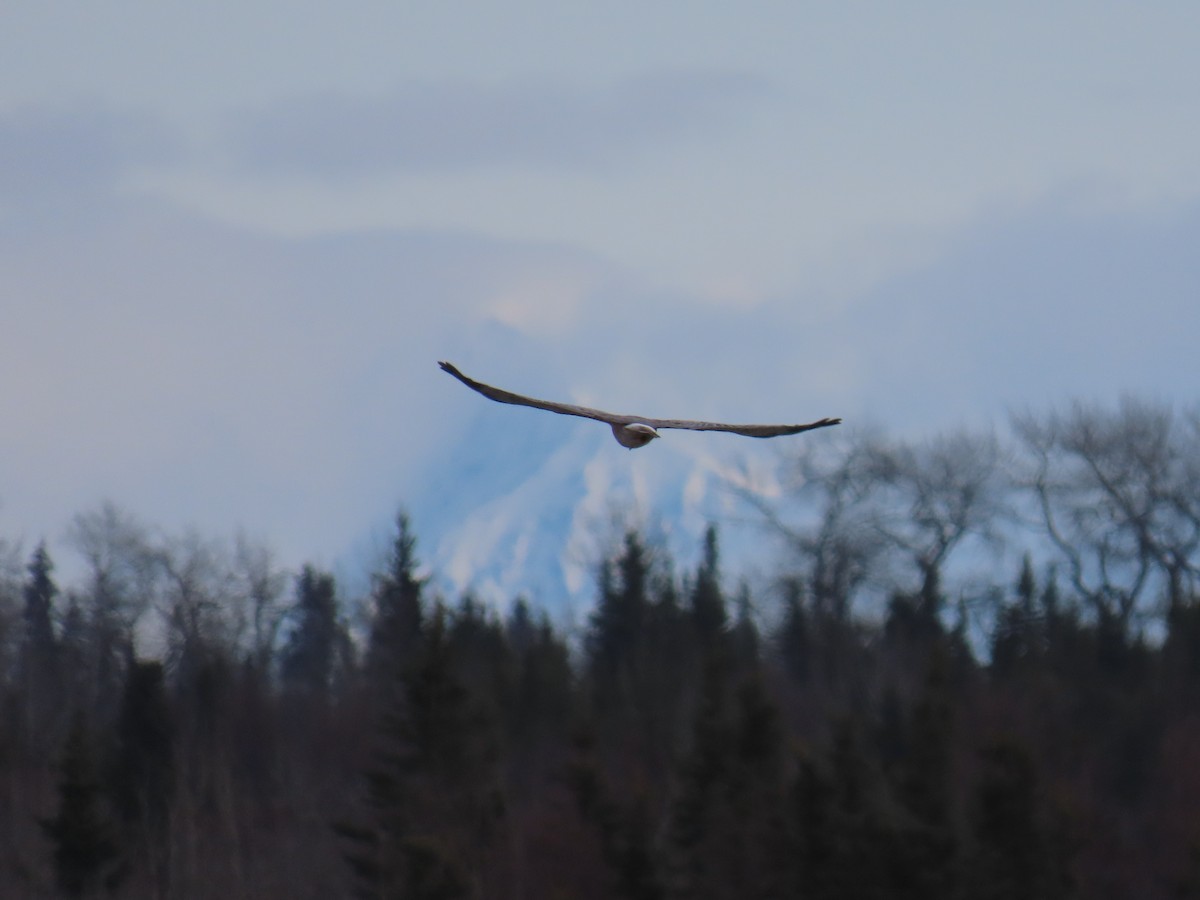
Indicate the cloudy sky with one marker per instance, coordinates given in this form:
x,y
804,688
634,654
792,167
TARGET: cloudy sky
x,y
236,237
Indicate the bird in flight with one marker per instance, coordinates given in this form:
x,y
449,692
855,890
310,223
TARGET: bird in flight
x,y
630,431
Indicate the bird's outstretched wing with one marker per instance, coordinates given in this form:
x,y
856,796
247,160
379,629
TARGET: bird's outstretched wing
x,y
758,431
567,409
502,396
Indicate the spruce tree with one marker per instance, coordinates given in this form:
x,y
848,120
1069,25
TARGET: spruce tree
x,y
843,838
545,682
311,651
616,638
84,847
143,769
1018,851
744,639
433,802
622,828
794,637
1015,636
397,619
707,599
926,860
726,830
39,593
38,660
696,831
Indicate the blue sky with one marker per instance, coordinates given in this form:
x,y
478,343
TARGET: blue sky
x,y
235,238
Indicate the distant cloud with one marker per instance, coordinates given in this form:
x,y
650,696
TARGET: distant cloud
x,y
1048,304
447,126
51,154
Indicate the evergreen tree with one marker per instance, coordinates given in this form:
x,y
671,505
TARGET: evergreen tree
x,y
1187,884
74,661
143,767
484,661
520,627
1181,652
622,829
820,835
708,612
397,622
85,851
39,593
926,863
844,840
913,621
1017,852
695,832
744,638
38,658
666,668
615,641
1015,637
545,684
727,823
311,652
433,803
793,636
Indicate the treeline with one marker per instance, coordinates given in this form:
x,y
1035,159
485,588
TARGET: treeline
x,y
190,721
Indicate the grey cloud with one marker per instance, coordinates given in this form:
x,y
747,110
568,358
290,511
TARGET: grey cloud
x,y
1049,305
447,126
50,154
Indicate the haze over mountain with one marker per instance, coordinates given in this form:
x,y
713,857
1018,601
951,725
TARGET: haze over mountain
x,y
1024,315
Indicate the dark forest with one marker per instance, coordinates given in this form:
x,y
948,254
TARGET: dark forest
x,y
974,672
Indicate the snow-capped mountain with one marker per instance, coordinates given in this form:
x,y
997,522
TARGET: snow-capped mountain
x,y
526,503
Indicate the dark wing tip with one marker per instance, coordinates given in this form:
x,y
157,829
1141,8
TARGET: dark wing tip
x,y
824,423
820,423
450,368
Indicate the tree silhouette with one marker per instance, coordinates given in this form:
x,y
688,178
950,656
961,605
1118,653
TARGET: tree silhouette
x,y
142,776
1018,851
893,717
433,799
1118,495
924,779
397,619
545,682
84,846
708,611
616,638
39,671
1017,637
620,824
845,845
727,826
312,650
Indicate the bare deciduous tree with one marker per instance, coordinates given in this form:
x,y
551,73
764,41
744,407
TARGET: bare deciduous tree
x,y
259,586
850,505
931,497
119,590
823,513
1119,497
197,586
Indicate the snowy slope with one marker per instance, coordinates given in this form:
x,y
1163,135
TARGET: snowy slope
x,y
528,503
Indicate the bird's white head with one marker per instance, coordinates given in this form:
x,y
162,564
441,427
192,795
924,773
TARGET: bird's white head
x,y
634,435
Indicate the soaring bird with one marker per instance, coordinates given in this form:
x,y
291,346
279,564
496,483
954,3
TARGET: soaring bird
x,y
630,431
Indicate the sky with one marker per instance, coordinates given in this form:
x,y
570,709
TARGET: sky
x,y
235,238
